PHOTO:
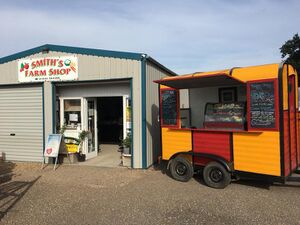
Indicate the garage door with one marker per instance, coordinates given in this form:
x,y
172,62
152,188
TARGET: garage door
x,y
21,123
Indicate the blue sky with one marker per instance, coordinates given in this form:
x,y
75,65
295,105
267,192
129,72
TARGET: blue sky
x,y
186,36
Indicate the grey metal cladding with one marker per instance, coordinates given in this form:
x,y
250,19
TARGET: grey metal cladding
x,y
21,123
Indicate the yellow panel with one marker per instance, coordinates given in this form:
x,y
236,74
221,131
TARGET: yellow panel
x,y
285,87
174,141
257,152
245,74
198,74
218,72
163,86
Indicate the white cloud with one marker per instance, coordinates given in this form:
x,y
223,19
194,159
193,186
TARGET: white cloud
x,y
186,36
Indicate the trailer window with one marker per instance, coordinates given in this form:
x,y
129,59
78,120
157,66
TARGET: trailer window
x,y
262,105
169,107
225,116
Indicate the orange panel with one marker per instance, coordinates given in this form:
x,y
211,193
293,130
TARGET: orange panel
x,y
174,141
257,152
256,72
164,87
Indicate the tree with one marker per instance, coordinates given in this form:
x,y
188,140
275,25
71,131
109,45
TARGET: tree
x,y
291,51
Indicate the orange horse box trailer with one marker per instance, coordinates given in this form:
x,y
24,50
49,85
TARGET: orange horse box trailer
x,y
241,122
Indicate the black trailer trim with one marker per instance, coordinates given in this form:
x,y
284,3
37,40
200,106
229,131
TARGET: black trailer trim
x,y
256,176
160,128
295,120
193,148
281,119
289,119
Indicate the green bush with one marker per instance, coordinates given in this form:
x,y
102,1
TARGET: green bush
x,y
127,141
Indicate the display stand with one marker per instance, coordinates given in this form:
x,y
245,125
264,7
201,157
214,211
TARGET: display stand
x,y
52,148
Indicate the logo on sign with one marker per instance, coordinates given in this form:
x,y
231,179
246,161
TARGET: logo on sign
x,y
49,151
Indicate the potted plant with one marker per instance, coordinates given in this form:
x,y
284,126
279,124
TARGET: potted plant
x,y
81,137
126,155
62,129
127,144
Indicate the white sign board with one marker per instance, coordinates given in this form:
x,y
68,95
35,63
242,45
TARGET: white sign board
x,y
48,69
73,117
52,147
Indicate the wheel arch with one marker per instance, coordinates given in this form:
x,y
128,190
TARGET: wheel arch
x,y
228,165
188,155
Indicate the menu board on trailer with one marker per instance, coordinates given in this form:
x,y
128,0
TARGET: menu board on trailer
x,y
262,105
169,107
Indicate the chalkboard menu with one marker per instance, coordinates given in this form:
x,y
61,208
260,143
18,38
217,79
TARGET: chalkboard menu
x,y
169,107
262,105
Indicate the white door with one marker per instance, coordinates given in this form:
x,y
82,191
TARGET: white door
x,y
21,123
126,116
90,124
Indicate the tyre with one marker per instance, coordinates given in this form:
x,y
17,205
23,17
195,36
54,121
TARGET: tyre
x,y
216,176
181,169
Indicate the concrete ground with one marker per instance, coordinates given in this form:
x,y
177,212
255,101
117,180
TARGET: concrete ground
x,y
107,157
95,195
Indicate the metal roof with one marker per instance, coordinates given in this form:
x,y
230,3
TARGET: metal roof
x,y
84,51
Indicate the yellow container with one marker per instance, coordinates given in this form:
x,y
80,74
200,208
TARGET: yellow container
x,y
72,148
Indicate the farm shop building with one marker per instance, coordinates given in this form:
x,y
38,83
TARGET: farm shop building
x,y
109,93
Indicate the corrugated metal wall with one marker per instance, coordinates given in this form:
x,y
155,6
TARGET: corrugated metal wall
x,y
21,114
152,112
95,89
92,68
48,109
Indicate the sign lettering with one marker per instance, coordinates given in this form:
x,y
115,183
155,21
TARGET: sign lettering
x,y
48,69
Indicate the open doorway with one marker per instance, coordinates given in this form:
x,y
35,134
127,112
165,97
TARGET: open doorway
x,y
105,119
109,132
110,120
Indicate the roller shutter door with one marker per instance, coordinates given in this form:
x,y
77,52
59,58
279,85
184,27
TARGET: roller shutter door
x,y
21,123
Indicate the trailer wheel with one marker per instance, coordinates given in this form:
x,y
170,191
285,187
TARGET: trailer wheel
x,y
181,169
216,176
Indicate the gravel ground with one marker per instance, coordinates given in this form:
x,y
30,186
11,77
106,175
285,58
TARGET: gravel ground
x,y
93,195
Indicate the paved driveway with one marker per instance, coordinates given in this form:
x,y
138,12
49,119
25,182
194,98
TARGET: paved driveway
x,y
93,195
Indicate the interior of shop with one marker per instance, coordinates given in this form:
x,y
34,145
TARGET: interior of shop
x,y
96,124
110,120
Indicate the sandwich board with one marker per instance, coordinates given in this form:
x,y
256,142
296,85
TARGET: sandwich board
x,y
52,148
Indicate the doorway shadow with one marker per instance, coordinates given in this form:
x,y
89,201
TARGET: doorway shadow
x,y
11,193
153,128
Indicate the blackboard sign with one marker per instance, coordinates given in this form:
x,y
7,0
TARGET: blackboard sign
x,y
169,107
262,105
